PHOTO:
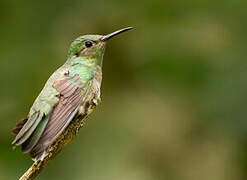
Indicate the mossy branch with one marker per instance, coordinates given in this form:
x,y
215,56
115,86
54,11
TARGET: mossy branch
x,y
70,132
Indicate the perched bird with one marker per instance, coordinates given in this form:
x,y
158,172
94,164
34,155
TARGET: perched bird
x,y
70,91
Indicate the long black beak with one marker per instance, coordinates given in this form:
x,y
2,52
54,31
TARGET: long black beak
x,y
108,36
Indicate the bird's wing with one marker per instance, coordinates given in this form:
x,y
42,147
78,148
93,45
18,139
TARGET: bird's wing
x,y
51,113
71,97
41,109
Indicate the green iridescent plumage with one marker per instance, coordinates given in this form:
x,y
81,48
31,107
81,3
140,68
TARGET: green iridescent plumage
x,y
69,91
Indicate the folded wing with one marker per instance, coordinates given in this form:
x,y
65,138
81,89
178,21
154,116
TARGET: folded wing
x,y
38,131
62,114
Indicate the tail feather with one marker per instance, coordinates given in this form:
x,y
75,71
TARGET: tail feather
x,y
28,145
22,137
19,126
26,127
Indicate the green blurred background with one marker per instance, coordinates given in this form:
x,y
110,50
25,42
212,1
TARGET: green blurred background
x,y
174,90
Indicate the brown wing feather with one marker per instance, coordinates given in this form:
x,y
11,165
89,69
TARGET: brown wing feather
x,y
69,101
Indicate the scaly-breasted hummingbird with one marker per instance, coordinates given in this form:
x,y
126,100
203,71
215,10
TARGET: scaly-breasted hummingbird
x,y
70,91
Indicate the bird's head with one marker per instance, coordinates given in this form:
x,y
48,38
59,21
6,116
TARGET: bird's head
x,y
92,47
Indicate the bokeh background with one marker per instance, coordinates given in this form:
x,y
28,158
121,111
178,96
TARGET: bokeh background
x,y
174,92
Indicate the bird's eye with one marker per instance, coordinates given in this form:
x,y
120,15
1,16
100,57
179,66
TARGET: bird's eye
x,y
88,44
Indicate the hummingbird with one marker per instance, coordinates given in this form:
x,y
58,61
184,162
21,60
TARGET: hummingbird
x,y
70,91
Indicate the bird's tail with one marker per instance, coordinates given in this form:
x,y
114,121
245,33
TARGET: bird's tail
x,y
19,125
